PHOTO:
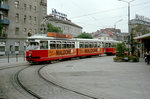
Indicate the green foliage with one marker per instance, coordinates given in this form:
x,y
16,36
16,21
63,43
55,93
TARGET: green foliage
x,y
141,29
51,28
85,35
135,59
121,48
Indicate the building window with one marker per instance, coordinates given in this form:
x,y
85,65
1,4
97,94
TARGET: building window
x,y
35,20
17,17
17,4
25,30
25,18
17,31
25,7
34,8
30,20
43,11
35,31
30,7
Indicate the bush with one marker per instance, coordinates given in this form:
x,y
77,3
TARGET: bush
x,y
135,59
121,48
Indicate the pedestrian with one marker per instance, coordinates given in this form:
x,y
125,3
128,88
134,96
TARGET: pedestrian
x,y
145,56
148,57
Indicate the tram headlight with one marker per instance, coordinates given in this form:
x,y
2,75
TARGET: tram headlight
x,y
30,55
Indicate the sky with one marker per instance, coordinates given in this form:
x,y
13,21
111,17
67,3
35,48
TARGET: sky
x,y
94,15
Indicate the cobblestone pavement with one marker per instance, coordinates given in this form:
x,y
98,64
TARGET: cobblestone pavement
x,y
101,77
30,79
8,86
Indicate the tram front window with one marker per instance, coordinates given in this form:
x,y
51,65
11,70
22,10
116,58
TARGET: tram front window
x,y
32,46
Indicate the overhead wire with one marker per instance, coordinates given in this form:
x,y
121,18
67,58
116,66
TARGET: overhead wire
x,y
108,10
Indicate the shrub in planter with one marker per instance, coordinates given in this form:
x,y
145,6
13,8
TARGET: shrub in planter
x,y
118,59
135,59
121,48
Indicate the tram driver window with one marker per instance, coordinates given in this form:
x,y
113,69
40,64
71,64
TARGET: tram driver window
x,y
43,44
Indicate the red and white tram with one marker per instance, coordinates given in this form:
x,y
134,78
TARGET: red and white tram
x,y
43,48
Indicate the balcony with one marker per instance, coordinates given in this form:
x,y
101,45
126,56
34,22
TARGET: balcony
x,y
5,21
4,7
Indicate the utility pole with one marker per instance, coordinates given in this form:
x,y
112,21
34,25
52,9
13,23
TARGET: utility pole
x,y
129,34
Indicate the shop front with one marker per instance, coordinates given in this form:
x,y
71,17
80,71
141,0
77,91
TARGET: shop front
x,y
144,43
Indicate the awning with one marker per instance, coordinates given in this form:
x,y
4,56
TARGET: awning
x,y
146,36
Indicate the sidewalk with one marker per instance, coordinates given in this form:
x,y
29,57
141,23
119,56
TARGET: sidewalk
x,y
11,61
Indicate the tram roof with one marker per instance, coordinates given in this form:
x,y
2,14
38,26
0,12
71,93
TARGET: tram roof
x,y
45,37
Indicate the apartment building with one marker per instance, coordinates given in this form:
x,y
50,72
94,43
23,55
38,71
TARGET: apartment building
x,y
66,25
20,19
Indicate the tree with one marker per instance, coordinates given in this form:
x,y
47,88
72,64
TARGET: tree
x,y
121,48
85,35
51,28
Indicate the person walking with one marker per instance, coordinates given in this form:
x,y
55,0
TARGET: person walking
x,y
148,57
145,56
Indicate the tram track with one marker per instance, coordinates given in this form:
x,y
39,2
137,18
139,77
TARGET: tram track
x,y
16,79
91,97
36,94
23,87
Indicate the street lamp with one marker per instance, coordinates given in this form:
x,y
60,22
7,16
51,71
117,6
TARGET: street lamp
x,y
129,34
115,27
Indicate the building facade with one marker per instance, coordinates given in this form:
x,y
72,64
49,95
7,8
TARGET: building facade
x,y
110,34
66,25
20,19
140,25
140,29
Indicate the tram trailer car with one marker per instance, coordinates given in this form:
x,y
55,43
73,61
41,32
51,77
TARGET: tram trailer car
x,y
42,48
110,47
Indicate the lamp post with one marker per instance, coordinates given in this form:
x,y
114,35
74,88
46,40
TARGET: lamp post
x,y
115,27
129,34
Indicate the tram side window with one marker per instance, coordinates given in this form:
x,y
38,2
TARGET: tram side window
x,y
81,45
99,44
102,44
91,45
107,45
95,45
52,45
86,45
58,45
64,45
68,44
43,44
110,45
73,45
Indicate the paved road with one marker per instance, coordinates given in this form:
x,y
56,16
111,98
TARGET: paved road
x,y
31,80
102,78
9,89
